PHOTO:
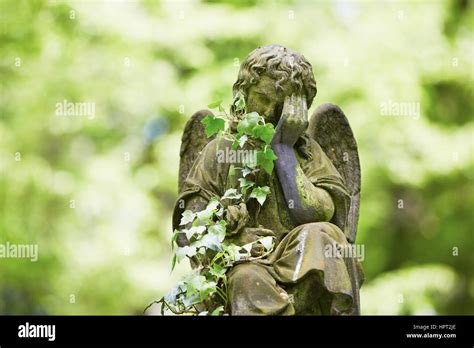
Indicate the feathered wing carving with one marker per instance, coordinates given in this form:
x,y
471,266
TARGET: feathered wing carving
x,y
192,142
330,128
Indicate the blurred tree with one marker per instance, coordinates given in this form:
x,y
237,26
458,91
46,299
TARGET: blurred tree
x,y
96,193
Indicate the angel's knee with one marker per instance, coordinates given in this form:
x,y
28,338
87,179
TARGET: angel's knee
x,y
253,291
317,229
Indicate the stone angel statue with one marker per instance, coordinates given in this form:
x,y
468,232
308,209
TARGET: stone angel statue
x,y
312,210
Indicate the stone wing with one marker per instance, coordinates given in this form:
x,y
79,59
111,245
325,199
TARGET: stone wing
x,y
330,128
192,142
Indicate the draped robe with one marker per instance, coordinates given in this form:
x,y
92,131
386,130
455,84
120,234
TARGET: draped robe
x,y
298,277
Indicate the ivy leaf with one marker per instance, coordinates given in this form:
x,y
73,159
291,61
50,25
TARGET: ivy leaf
x,y
215,105
233,252
174,237
209,241
187,217
245,184
206,292
264,132
187,250
193,283
204,217
217,270
182,286
213,125
235,142
172,294
260,193
198,282
173,262
240,104
239,141
267,242
247,124
231,194
194,230
218,311
213,204
247,247
242,140
193,299
218,230
265,159
247,171
220,212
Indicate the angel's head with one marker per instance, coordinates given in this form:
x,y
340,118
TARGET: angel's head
x,y
268,75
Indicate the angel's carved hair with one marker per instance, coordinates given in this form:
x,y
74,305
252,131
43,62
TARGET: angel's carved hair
x,y
279,63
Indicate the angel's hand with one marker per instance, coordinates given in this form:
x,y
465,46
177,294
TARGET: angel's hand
x,y
236,217
293,121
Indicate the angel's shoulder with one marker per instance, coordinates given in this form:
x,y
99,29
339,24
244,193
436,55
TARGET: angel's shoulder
x,y
214,148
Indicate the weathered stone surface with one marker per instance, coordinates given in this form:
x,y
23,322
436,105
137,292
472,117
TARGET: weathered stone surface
x,y
314,202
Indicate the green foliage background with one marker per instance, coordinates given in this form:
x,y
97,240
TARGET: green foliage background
x,y
96,194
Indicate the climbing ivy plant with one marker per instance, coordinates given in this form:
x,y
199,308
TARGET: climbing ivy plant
x,y
204,290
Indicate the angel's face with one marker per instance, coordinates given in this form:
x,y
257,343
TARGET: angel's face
x,y
265,99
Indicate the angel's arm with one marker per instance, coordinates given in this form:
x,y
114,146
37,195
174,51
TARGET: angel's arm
x,y
306,202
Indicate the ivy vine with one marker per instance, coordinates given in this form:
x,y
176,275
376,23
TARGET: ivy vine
x,y
204,290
